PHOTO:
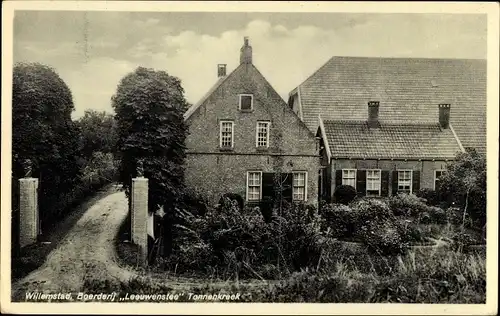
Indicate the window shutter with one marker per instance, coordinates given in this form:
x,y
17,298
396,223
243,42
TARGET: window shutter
x,y
416,181
361,182
268,185
394,182
338,178
385,183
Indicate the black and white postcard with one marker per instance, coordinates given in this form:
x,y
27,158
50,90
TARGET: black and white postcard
x,y
213,158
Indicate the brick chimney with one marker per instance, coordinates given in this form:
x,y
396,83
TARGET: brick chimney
x,y
221,70
246,52
444,115
373,114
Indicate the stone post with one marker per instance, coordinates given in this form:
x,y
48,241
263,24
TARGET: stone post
x,y
28,211
139,217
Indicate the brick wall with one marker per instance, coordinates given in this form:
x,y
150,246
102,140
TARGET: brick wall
x,y
426,169
213,172
139,216
215,175
287,133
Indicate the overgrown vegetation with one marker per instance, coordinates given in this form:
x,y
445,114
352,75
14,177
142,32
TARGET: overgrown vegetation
x,y
71,159
151,131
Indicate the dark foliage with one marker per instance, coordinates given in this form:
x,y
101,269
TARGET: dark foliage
x,y
149,108
44,133
464,183
344,194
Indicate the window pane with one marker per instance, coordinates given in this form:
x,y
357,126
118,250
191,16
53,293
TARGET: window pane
x,y
350,182
246,102
262,134
298,193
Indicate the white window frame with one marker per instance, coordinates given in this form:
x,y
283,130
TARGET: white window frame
x,y
257,134
305,185
435,176
379,181
221,124
260,186
411,179
251,102
355,176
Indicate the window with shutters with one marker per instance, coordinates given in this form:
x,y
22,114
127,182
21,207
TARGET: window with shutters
x,y
254,185
437,176
246,102
226,134
262,135
299,186
405,181
349,177
373,182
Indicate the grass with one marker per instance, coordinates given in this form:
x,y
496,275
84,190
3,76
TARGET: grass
x,y
430,277
32,257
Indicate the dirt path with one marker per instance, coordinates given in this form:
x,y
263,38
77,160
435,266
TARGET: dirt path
x,y
87,249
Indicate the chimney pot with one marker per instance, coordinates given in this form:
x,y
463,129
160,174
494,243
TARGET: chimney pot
x,y
373,107
221,70
444,115
246,52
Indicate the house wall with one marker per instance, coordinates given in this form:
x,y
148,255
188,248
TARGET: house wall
x,y
217,174
426,168
287,133
214,172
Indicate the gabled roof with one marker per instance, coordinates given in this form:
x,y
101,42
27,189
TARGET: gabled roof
x,y
192,109
409,90
195,106
354,139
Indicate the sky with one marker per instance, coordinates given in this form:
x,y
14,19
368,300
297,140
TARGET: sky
x,y
92,50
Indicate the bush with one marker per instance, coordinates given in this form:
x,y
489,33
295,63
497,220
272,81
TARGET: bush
x,y
382,237
344,194
367,210
227,243
437,215
376,227
430,196
407,205
341,219
410,231
232,198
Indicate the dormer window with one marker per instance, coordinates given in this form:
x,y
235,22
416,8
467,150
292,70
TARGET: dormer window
x,y
246,102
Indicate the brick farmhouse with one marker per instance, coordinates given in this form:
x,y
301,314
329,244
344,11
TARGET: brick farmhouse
x,y
390,125
244,139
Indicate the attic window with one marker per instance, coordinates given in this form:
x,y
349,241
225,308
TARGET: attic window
x,y
246,102
434,83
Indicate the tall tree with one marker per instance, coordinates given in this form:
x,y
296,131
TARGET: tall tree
x,y
43,131
98,133
464,182
149,107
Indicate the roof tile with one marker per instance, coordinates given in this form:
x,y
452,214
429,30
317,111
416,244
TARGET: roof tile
x,y
354,139
409,90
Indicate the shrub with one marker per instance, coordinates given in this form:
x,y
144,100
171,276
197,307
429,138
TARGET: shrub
x,y
232,198
228,243
430,196
341,219
463,239
437,215
407,205
371,210
344,194
410,231
382,237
